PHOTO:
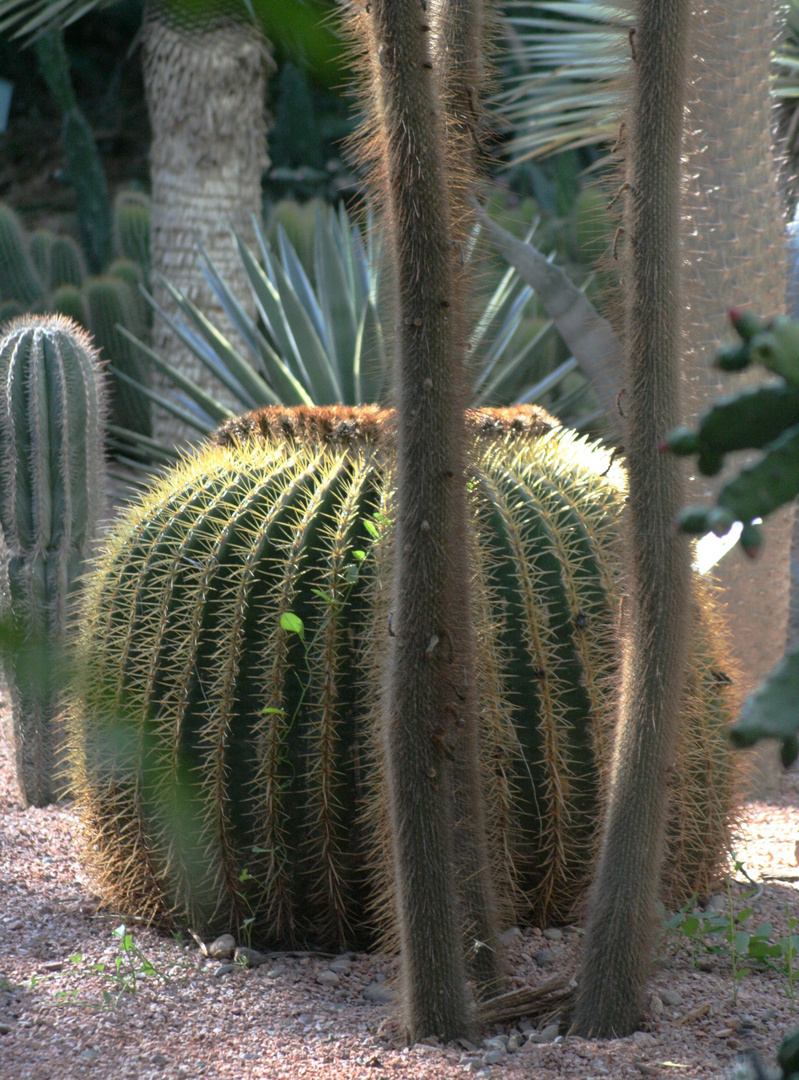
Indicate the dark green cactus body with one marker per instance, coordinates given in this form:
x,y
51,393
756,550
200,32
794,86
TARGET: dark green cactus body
x,y
66,265
209,740
110,303
52,469
18,277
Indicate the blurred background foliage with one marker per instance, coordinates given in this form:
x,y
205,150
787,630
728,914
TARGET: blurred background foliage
x,y
557,67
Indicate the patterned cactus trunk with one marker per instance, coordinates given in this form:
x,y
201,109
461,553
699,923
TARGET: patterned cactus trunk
x,y
225,734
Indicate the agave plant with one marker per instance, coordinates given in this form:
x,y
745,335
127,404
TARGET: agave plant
x,y
320,337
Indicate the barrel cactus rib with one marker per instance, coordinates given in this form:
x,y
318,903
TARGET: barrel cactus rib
x,y
116,695
559,711
341,604
254,789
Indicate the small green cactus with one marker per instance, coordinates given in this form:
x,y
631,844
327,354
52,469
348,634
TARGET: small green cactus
x,y
41,243
66,263
225,717
18,277
110,303
68,300
51,473
132,229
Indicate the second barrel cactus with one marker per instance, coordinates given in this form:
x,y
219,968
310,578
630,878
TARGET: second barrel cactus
x,y
225,724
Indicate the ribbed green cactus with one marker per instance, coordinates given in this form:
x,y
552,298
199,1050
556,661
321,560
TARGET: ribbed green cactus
x,y
132,228
68,300
18,277
40,245
51,471
66,265
230,655
110,302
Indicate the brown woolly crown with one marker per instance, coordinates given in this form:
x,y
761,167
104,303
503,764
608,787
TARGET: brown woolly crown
x,y
344,424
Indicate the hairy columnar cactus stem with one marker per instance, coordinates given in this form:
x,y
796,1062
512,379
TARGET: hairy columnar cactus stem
x,y
430,694
621,915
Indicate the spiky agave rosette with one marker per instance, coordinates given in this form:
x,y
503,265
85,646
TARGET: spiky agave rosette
x,y
227,758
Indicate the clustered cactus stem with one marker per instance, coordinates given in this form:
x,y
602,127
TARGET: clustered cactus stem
x,y
51,474
430,700
620,919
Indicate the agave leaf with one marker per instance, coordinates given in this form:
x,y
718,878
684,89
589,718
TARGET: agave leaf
x,y
589,337
184,415
501,386
549,382
154,450
207,343
217,413
336,295
298,279
307,349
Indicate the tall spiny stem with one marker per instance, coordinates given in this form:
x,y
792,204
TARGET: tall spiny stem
x,y
618,943
430,707
461,58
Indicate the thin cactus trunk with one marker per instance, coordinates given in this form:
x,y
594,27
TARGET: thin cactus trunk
x,y
621,908
430,699
735,240
205,84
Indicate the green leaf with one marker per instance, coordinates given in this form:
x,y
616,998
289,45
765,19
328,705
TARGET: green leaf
x,y
266,711
772,710
690,926
292,624
741,942
371,528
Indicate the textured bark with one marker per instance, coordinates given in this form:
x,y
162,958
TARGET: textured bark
x,y
735,244
621,917
206,91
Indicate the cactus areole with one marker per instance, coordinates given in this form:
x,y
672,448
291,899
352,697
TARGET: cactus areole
x,y
227,739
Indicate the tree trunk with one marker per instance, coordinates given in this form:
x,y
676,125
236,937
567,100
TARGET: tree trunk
x,y
206,89
736,256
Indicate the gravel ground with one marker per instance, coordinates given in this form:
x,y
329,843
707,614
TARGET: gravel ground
x,y
313,1016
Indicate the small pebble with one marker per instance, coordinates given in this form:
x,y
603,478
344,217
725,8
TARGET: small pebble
x,y
544,958
670,998
250,958
328,978
378,994
512,934
222,948
514,1042
276,972
224,969
4,1029
342,965
549,1034
493,1057
643,1038
553,934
